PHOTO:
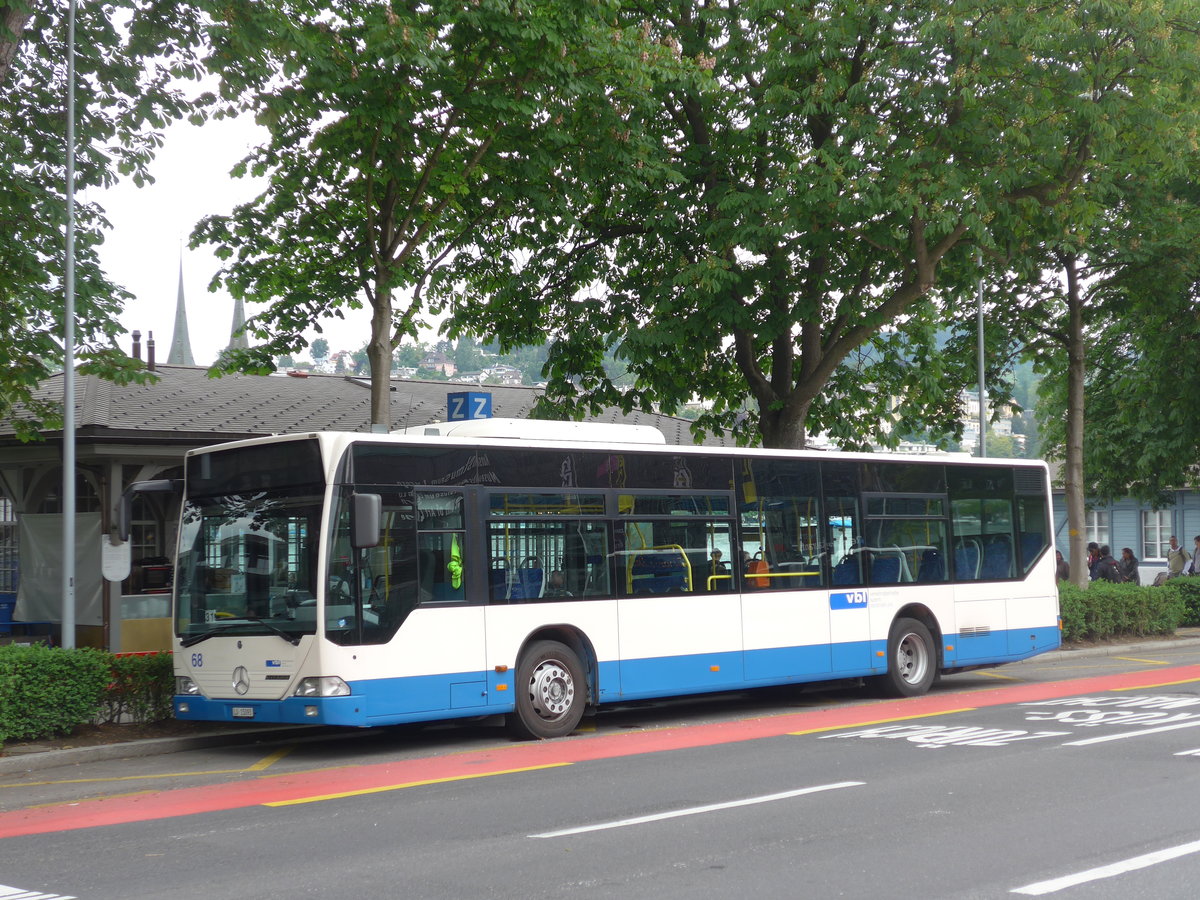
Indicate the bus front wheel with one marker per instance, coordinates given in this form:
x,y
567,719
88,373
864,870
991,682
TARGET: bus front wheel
x,y
911,660
551,692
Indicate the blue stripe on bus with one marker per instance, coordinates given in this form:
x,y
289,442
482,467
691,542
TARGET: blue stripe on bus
x,y
387,701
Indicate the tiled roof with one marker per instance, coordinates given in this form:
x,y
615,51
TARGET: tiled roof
x,y
184,403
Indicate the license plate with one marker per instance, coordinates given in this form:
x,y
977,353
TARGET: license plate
x,y
243,712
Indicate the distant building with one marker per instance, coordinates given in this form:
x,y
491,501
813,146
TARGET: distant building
x,y
1126,522
437,361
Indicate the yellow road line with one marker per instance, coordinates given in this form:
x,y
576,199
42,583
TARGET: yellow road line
x,y
269,760
998,675
1146,687
115,778
1153,662
948,712
259,766
408,784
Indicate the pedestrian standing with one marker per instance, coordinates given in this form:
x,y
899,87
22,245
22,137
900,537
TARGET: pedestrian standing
x,y
1128,564
1062,568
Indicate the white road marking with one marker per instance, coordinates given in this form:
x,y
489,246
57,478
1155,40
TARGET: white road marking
x,y
1117,868
1130,734
12,893
1195,752
695,810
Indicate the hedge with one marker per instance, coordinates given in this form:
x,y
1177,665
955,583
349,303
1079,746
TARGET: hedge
x,y
49,691
1107,610
1188,589
140,690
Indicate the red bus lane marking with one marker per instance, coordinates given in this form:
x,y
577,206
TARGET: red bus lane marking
x,y
312,786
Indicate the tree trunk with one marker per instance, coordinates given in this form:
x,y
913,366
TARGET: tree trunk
x,y
1073,470
379,356
13,20
783,428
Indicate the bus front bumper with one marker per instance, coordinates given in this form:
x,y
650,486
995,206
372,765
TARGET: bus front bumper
x,y
291,711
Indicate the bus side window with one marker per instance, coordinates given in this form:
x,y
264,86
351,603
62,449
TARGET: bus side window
x,y
440,568
841,519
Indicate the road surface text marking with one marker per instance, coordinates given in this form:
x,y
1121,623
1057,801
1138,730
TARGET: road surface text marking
x,y
1117,868
697,810
1130,734
935,736
12,893
408,784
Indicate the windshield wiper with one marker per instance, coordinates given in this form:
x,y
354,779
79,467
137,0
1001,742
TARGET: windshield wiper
x,y
291,637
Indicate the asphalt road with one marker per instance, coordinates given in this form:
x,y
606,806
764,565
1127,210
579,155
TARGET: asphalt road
x,y
1070,776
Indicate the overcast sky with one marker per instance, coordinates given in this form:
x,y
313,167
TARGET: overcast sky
x,y
150,228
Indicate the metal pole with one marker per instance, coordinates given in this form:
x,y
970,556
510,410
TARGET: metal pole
x,y
68,487
982,401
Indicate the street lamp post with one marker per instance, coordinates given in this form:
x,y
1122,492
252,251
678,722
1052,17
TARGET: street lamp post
x,y
982,401
68,456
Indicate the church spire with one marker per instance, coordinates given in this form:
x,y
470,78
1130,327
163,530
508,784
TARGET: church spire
x,y
181,346
237,337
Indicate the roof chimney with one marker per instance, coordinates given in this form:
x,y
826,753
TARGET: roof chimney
x,y
150,351
137,345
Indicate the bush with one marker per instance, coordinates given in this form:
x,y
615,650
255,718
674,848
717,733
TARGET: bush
x,y
1188,590
140,690
47,691
1107,610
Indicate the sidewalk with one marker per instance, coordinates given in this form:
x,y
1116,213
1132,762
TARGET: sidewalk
x,y
35,756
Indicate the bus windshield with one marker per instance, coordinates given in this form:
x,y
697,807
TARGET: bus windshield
x,y
247,563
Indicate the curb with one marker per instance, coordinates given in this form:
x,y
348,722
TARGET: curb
x,y
1115,649
38,760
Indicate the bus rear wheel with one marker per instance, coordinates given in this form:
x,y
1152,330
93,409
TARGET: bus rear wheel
x,y
911,660
551,692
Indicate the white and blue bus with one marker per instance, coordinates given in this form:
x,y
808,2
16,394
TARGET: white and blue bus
x,y
369,579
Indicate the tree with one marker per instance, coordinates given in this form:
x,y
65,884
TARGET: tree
x,y
1141,121
409,356
1142,332
13,19
320,349
467,355
805,202
395,131
126,91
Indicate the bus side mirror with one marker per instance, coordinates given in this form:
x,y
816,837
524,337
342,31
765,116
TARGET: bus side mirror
x,y
365,519
125,512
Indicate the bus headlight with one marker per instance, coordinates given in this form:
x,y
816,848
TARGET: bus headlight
x,y
185,685
324,686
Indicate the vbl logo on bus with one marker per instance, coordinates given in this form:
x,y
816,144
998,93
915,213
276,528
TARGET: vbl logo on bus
x,y
848,600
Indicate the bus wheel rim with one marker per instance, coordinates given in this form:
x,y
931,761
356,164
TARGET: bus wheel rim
x,y
912,658
552,689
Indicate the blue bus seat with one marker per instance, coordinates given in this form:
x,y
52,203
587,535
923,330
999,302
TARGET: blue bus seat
x,y
658,573
933,567
885,570
1031,544
997,559
846,572
966,561
529,583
